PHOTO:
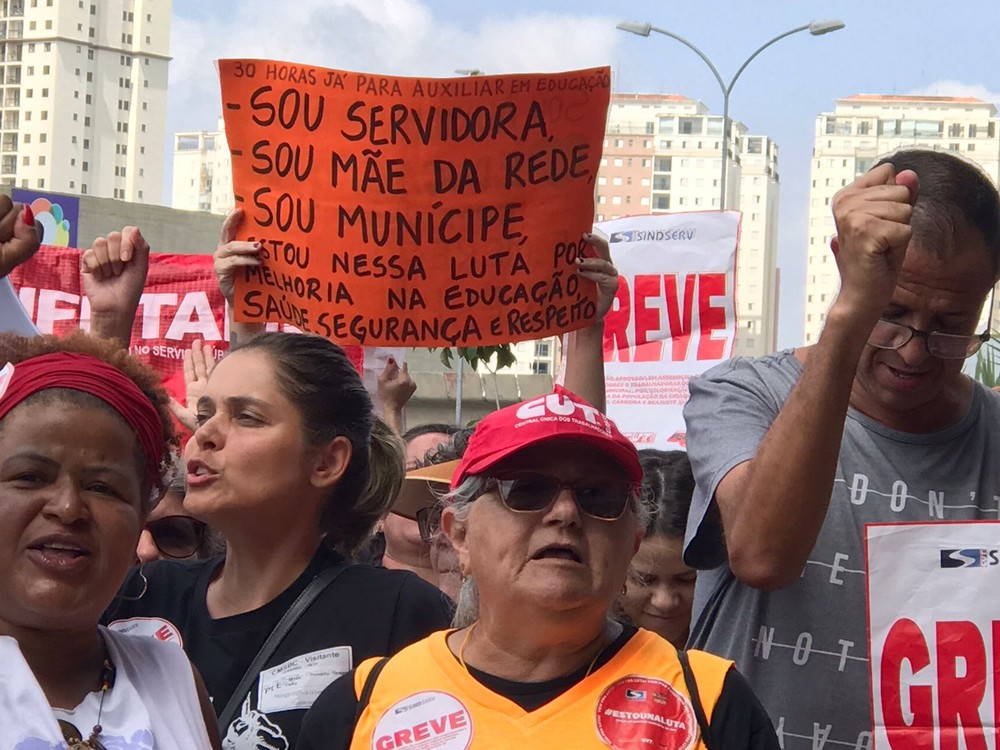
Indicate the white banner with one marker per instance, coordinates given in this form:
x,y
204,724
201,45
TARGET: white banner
x,y
934,634
674,317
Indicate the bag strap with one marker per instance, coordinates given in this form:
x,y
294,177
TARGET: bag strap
x,y
692,687
369,686
316,587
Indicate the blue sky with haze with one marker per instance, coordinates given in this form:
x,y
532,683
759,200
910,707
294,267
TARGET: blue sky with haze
x,y
886,48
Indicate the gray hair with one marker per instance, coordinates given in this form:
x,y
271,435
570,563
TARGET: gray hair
x,y
460,501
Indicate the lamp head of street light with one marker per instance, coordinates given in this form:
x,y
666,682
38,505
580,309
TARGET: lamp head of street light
x,y
818,28
633,27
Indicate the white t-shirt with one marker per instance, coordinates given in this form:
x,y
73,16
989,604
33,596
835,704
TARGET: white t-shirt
x,y
153,704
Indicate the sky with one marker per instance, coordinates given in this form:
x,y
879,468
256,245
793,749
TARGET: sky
x,y
920,47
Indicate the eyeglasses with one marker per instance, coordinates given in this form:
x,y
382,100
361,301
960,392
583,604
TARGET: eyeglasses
x,y
429,523
604,499
177,536
887,335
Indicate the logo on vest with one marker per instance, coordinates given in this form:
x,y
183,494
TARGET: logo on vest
x,y
424,721
640,713
150,627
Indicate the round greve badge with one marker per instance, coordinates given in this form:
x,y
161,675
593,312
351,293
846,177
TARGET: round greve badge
x,y
430,720
642,713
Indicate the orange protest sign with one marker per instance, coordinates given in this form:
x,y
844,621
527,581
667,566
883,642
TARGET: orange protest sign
x,y
415,211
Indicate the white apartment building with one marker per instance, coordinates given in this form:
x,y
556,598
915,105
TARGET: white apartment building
x,y
850,140
203,171
662,153
84,99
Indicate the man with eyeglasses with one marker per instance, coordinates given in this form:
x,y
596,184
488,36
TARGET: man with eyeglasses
x,y
795,452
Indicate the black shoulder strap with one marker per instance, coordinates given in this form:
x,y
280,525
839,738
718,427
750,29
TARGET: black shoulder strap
x,y
369,686
316,587
692,686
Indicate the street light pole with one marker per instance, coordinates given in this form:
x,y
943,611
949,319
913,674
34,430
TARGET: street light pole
x,y
460,367
817,28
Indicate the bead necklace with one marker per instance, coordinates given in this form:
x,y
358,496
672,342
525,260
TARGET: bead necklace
x,y
468,634
72,735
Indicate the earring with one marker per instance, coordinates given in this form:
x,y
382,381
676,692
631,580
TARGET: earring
x,y
145,586
625,588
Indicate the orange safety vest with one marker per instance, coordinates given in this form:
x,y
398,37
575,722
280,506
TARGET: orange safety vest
x,y
424,700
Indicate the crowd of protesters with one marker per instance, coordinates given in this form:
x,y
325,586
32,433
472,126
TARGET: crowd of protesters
x,y
303,572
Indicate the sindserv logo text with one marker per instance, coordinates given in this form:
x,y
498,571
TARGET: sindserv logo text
x,y
970,558
653,235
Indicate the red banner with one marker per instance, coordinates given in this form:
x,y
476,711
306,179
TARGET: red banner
x,y
180,303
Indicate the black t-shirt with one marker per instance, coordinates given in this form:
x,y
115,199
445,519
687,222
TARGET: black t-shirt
x,y
739,721
365,612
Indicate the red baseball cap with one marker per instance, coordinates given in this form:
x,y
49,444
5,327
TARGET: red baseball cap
x,y
560,415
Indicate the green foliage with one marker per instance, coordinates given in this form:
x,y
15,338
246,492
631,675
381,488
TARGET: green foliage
x,y
988,364
476,354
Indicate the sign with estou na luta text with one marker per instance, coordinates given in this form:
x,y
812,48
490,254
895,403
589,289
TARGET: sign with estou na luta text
x,y
673,318
415,211
934,632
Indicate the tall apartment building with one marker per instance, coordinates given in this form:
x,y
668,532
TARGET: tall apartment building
x,y
850,140
203,171
83,106
662,153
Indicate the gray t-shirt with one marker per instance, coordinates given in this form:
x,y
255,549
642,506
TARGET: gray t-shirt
x,y
804,648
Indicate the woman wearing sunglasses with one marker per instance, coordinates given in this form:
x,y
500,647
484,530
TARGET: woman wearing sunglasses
x,y
545,515
171,533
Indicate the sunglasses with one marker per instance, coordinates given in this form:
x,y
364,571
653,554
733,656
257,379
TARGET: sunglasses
x,y
429,523
177,536
604,499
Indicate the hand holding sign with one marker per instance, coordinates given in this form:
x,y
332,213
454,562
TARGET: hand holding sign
x,y
873,231
231,255
601,271
20,235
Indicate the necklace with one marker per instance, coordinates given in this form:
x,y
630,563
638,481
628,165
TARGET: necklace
x,y
468,634
72,735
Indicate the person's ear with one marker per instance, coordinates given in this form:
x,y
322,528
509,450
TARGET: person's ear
x,y
456,530
331,462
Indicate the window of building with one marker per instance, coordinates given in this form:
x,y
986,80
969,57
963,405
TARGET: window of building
x,y
86,166
41,161
43,138
616,200
25,161
619,162
48,24
45,92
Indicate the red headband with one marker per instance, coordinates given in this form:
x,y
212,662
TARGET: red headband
x,y
82,372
